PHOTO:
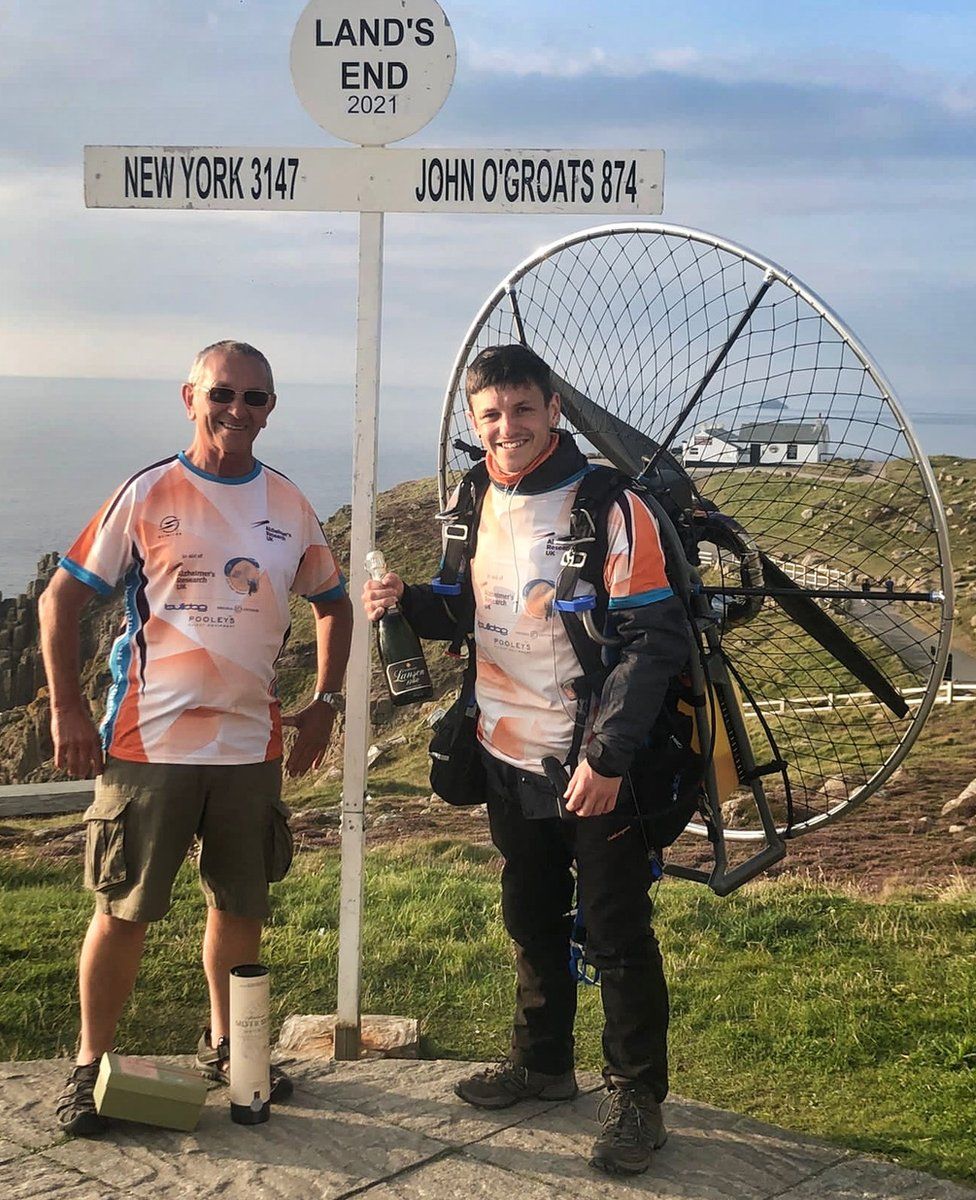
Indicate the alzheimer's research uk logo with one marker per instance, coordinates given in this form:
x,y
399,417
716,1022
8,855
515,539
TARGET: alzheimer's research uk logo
x,y
242,575
270,532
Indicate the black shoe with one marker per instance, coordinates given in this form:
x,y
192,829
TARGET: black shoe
x,y
633,1129
213,1063
76,1104
504,1084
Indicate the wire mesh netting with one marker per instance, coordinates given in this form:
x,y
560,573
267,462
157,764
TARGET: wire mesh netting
x,y
795,435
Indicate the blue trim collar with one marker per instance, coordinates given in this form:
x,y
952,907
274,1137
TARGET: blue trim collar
x,y
231,479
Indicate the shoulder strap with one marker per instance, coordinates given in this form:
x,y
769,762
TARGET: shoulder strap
x,y
460,542
585,554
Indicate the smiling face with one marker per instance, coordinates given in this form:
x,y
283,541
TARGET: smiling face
x,y
513,422
225,433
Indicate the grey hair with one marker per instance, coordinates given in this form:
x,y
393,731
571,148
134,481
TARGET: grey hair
x,y
227,347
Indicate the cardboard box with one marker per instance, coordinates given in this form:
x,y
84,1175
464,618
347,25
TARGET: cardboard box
x,y
135,1089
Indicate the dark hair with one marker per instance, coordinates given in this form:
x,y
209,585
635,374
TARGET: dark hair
x,y
512,366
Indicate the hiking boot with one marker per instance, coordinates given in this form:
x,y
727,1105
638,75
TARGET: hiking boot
x,y
504,1084
213,1063
633,1129
75,1106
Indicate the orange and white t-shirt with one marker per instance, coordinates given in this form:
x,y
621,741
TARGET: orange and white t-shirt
x,y
207,564
524,654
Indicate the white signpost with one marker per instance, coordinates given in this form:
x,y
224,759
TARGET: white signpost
x,y
371,72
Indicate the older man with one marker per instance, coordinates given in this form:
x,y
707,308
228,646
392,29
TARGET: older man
x,y
208,545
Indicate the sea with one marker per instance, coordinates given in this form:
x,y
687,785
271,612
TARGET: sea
x,y
66,444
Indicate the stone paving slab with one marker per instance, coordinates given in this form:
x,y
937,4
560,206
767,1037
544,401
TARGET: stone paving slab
x,y
392,1130
416,1095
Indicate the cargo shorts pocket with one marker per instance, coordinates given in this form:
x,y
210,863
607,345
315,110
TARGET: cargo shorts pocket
x,y
281,846
105,841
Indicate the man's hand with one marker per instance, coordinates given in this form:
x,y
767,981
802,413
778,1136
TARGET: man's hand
x,y
381,594
77,746
314,724
590,794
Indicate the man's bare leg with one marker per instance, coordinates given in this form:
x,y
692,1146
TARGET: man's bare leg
x,y
109,963
229,941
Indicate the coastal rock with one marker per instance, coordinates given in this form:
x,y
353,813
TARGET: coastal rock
x,y
964,805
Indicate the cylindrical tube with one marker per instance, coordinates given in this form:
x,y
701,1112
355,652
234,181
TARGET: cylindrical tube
x,y
250,1054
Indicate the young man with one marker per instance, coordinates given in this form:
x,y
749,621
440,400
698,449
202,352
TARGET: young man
x,y
524,657
208,544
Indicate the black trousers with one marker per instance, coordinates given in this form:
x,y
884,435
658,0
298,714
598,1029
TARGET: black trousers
x,y
614,874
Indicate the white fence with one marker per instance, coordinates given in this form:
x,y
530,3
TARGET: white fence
x,y
949,693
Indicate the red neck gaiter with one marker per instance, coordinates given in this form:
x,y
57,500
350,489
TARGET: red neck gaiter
x,y
497,475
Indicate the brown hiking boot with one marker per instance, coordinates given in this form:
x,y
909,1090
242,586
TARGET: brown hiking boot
x,y
633,1129
504,1084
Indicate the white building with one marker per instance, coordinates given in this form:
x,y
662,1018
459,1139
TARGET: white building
x,y
760,443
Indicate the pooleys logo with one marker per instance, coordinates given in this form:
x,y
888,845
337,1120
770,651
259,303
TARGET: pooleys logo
x,y
242,575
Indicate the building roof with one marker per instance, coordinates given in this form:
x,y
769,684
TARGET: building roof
x,y
783,431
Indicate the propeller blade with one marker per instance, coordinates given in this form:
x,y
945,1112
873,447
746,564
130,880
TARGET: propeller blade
x,y
825,631
626,447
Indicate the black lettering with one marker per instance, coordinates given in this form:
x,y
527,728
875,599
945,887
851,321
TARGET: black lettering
x,y
511,179
369,32
586,191
435,179
220,176
145,176
631,186
528,177
559,188
131,175
345,33
467,179
393,32
489,179
350,75
396,76
234,183
203,179
319,39
543,180
187,165
424,32
372,74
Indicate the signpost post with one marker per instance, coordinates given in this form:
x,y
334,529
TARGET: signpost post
x,y
371,72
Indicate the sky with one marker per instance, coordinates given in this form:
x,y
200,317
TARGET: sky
x,y
837,139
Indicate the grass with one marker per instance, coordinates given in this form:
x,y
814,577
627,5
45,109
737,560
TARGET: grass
x,y
823,1011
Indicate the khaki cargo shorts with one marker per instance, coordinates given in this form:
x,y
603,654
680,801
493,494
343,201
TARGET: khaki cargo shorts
x,y
145,817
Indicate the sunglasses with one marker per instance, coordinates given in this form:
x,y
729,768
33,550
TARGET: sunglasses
x,y
252,398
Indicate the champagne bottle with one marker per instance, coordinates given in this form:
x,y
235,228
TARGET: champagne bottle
x,y
404,667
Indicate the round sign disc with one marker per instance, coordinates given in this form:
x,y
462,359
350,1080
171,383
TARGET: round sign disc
x,y
373,71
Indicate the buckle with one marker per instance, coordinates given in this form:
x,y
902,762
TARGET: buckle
x,y
573,558
456,532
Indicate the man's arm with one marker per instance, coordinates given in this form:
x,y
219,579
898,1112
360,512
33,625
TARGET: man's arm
x,y
333,633
77,746
430,616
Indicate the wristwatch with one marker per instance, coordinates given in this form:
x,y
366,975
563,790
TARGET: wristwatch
x,y
335,700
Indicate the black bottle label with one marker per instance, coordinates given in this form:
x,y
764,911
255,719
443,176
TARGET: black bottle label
x,y
407,675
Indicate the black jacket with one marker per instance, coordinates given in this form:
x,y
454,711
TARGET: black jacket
x,y
655,643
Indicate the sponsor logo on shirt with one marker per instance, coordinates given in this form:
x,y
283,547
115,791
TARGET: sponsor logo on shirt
x,y
185,607
487,625
213,622
242,575
190,576
169,524
270,532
